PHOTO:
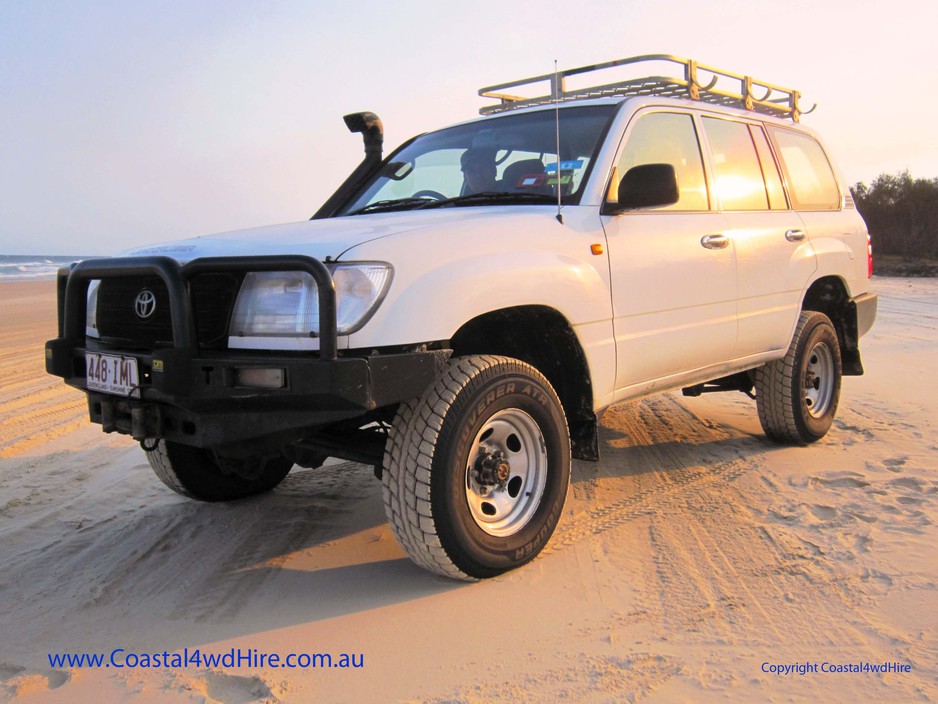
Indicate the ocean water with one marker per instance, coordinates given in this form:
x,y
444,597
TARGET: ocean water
x,y
23,267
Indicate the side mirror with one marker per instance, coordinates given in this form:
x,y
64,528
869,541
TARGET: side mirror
x,y
647,186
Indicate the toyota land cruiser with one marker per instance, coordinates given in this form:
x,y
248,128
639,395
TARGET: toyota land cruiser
x,y
459,312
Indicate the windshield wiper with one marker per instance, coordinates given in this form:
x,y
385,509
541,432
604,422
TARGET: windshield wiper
x,y
393,204
492,197
424,202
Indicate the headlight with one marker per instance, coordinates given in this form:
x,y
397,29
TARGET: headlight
x,y
285,305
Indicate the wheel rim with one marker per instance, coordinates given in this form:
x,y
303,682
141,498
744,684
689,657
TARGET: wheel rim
x,y
819,380
506,472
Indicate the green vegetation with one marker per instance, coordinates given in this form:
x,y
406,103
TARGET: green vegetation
x,y
901,213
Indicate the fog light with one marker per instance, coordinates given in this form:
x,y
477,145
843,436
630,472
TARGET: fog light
x,y
262,378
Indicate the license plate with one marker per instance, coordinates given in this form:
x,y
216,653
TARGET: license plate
x,y
112,374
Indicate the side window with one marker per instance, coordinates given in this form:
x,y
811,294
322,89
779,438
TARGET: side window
x,y
667,138
810,177
773,181
737,172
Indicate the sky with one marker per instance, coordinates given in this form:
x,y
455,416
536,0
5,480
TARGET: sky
x,y
125,123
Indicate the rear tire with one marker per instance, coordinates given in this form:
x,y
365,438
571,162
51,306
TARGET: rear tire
x,y
476,471
194,472
797,396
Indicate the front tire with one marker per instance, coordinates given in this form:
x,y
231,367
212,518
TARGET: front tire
x,y
797,396
476,471
196,474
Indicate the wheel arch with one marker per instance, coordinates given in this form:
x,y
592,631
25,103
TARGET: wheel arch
x,y
829,295
544,338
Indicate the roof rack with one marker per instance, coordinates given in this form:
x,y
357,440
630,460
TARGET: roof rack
x,y
750,93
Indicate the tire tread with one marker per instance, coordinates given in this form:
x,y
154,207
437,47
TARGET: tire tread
x,y
774,382
409,453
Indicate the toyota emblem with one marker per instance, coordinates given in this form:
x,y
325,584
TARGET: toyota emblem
x,y
145,304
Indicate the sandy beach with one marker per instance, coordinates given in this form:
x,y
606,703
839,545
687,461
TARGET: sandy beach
x,y
691,562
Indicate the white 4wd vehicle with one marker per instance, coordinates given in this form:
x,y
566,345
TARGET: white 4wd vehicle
x,y
459,313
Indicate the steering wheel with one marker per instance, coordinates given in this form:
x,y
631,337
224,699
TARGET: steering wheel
x,y
426,193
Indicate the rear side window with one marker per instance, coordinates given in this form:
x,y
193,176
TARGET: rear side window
x,y
773,181
810,177
668,138
738,174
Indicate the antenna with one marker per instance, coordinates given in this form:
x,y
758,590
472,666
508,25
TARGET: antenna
x,y
557,122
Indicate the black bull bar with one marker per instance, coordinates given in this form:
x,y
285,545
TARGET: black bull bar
x,y
184,404
73,291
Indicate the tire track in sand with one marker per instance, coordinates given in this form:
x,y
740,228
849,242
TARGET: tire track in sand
x,y
34,407
718,572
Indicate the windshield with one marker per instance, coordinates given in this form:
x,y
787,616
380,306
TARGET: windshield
x,y
507,159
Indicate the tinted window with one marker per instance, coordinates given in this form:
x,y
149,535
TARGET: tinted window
x,y
810,178
667,138
738,174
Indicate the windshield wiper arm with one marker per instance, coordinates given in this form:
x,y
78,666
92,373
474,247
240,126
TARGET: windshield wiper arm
x,y
491,197
392,204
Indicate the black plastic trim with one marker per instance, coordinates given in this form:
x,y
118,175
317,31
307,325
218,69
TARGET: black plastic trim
x,y
866,305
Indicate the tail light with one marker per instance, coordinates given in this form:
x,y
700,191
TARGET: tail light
x,y
869,256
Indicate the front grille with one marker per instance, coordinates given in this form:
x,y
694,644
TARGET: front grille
x,y
213,297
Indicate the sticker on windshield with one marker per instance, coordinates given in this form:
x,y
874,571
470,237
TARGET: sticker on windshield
x,y
565,178
531,180
564,166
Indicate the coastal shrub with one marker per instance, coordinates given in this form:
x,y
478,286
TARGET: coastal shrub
x,y
901,213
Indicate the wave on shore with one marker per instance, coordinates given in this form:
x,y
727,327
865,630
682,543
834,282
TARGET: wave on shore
x,y
22,267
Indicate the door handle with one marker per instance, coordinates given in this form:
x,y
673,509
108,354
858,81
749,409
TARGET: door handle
x,y
714,241
794,235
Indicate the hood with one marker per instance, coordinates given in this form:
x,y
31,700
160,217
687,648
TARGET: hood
x,y
316,238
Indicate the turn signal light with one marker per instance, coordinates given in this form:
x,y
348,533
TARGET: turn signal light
x,y
260,378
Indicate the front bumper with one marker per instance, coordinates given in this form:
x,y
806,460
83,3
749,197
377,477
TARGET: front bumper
x,y
199,397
